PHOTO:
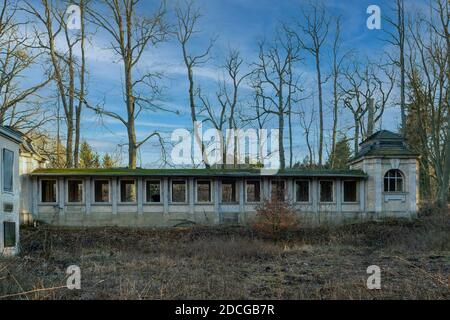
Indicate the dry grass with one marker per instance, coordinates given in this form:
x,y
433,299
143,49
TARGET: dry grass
x,y
232,263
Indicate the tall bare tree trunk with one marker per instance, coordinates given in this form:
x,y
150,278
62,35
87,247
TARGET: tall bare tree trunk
x,y
81,93
316,26
444,190
335,121
401,45
337,62
356,137
319,88
187,19
370,117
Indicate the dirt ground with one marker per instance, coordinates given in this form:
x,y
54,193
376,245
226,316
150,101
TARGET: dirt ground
x,y
233,262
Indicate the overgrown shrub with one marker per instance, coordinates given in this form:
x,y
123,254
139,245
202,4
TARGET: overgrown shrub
x,y
275,219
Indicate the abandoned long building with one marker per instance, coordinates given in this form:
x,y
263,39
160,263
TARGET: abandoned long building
x,y
381,181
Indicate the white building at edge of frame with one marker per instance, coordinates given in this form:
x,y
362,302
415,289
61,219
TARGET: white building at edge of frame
x,y
10,141
381,182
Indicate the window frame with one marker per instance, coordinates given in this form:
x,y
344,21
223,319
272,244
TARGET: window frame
x,y
309,190
161,200
402,177
236,198
4,234
260,191
356,189
210,191
83,198
285,195
333,195
3,171
186,194
109,192
56,191
120,191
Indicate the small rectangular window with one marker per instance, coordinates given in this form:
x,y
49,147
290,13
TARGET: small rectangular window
x,y
178,191
9,234
326,191
203,191
8,168
127,191
101,190
153,190
302,191
350,191
253,191
278,190
75,190
228,191
48,190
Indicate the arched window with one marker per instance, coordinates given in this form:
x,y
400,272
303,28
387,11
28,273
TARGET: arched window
x,y
393,181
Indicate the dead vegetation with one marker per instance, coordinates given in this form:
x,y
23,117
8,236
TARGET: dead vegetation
x,y
234,263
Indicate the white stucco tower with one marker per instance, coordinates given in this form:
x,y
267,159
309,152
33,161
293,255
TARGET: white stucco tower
x,y
392,185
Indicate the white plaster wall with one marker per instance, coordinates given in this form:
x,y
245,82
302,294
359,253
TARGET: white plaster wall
x,y
390,203
10,197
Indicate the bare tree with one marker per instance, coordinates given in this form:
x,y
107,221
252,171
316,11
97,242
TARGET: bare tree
x,y
306,123
224,113
275,82
52,16
397,38
131,34
187,19
366,89
81,91
17,58
315,27
338,60
429,79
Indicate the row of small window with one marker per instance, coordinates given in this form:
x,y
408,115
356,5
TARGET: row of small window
x,y
203,194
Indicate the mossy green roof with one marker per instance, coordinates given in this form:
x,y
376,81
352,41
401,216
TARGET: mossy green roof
x,y
384,144
384,135
200,172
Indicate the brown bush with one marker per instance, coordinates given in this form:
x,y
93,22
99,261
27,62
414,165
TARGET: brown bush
x,y
275,219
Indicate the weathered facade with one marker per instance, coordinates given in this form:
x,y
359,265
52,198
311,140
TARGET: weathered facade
x,y
381,181
10,191
29,160
392,170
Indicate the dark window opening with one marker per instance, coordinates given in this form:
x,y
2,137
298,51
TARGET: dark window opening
x,y
326,191
350,191
48,190
75,190
8,168
127,191
9,234
178,191
302,191
393,181
228,191
101,189
253,191
278,190
204,191
153,191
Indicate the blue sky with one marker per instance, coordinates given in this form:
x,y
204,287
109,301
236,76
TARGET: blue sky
x,y
237,24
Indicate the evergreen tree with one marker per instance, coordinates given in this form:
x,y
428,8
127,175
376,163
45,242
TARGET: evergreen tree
x,y
107,161
88,157
342,155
